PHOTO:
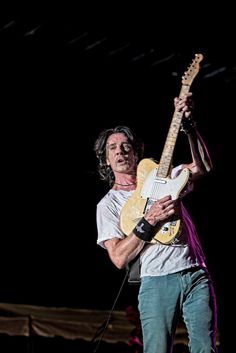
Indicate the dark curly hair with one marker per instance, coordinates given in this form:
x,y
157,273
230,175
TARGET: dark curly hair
x,y
105,170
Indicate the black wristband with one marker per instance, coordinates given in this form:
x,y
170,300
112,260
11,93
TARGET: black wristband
x,y
188,125
144,230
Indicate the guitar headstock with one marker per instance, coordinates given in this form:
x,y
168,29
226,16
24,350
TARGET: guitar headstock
x,y
192,71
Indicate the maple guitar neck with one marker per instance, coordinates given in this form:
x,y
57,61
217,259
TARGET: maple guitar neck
x,y
168,150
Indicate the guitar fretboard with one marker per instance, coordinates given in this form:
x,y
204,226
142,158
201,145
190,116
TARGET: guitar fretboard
x,y
167,154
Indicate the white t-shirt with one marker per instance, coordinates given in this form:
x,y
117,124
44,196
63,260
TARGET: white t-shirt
x,y
156,259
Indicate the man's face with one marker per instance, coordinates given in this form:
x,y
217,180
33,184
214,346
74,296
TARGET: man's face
x,y
120,154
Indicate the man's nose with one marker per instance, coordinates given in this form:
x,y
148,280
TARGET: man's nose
x,y
119,149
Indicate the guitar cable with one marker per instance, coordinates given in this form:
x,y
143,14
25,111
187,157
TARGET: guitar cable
x,y
102,329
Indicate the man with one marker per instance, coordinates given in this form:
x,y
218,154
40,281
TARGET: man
x,y
174,277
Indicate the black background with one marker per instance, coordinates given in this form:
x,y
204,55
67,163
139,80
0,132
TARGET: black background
x,y
67,72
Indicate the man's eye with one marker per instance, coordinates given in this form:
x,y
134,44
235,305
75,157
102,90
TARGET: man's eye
x,y
127,147
111,147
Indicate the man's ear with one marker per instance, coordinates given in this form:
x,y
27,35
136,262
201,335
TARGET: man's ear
x,y
107,160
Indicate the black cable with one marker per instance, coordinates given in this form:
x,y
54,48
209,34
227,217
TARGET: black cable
x,y
101,330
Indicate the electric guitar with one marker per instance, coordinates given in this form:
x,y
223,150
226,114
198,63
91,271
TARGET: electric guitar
x,y
153,180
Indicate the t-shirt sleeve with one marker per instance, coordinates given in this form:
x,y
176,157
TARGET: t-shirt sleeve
x,y
189,186
107,224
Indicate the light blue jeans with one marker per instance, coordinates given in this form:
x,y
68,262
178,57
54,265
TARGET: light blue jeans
x,y
163,299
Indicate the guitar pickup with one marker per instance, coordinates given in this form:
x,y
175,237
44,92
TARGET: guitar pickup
x,y
160,181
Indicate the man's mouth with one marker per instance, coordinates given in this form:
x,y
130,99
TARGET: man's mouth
x,y
121,161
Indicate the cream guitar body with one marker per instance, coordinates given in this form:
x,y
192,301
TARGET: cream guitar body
x,y
150,188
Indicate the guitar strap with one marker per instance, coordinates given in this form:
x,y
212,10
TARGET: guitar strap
x,y
133,270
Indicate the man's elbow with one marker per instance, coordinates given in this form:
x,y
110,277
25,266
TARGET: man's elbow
x,y
202,172
119,262
206,169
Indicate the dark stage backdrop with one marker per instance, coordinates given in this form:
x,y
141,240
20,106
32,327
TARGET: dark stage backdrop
x,y
66,74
